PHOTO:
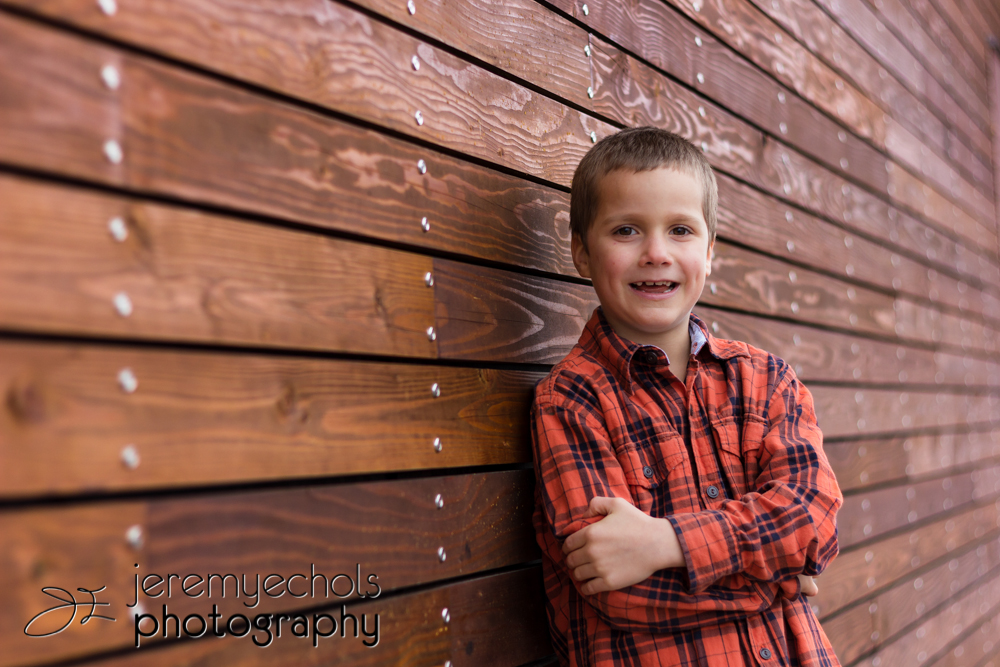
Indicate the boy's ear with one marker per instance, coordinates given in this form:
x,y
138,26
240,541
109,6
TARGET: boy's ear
x,y
581,258
708,259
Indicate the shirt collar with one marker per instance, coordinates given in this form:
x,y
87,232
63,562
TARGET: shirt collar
x,y
617,353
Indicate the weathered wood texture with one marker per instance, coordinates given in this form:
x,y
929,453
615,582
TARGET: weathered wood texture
x,y
294,310
763,162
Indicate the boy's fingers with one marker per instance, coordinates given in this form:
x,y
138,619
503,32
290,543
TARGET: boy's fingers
x,y
593,586
575,541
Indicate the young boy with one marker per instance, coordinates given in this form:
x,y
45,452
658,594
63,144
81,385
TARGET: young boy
x,y
683,497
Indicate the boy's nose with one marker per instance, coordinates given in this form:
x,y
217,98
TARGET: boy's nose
x,y
656,251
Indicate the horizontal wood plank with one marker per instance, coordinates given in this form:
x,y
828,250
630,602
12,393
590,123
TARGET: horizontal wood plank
x,y
389,529
871,513
208,418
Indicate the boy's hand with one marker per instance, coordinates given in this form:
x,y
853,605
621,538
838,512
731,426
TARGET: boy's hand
x,y
808,584
622,549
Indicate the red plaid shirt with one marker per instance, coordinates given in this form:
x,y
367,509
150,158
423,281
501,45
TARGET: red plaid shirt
x,y
733,458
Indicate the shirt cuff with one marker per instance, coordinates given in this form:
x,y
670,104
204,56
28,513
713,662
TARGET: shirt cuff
x,y
710,548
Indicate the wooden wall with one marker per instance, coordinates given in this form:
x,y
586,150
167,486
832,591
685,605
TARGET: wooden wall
x,y
277,278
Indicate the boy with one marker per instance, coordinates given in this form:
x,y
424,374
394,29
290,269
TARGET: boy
x,y
683,499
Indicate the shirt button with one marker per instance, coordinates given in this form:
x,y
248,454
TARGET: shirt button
x,y
765,653
650,357
647,471
714,493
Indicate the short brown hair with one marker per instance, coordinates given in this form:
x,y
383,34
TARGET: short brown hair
x,y
638,149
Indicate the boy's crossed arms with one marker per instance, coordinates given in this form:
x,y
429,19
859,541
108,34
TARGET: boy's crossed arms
x,y
650,574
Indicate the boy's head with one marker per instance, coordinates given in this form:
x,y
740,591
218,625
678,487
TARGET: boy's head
x,y
643,216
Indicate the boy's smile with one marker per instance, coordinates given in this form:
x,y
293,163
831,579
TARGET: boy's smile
x,y
648,254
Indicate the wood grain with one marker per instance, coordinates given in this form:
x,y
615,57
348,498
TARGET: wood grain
x,y
187,276
927,50
937,631
862,463
872,625
216,418
817,354
857,573
335,57
861,22
391,529
844,411
871,513
215,114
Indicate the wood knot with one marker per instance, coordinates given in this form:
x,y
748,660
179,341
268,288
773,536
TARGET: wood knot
x,y
26,403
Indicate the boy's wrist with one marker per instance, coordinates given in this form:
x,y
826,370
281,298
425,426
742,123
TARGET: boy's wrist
x,y
666,545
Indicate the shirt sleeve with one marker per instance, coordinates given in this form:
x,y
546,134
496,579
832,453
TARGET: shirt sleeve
x,y
575,461
786,525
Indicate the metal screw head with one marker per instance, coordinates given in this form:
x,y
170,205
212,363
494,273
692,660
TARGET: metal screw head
x,y
788,216
704,147
130,457
134,536
783,127
447,663
123,304
442,556
429,279
419,117
112,79
410,7
425,224
700,77
701,111
435,390
415,61
113,151
715,327
696,5
109,7
795,307
586,10
431,334
697,40
713,288
792,276
446,615
586,50
593,137
438,501
437,445
790,245
127,380
421,166
781,96
590,92
118,229
843,163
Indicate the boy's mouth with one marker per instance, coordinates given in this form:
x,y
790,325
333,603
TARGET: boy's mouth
x,y
654,287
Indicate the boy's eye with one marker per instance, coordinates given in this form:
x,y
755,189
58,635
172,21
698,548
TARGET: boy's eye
x,y
683,231
626,231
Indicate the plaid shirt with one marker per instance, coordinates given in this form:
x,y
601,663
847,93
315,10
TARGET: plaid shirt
x,y
732,458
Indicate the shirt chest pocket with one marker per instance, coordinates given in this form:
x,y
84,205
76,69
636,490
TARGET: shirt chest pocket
x,y
650,463
739,453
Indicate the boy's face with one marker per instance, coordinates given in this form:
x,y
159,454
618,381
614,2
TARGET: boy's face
x,y
649,228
